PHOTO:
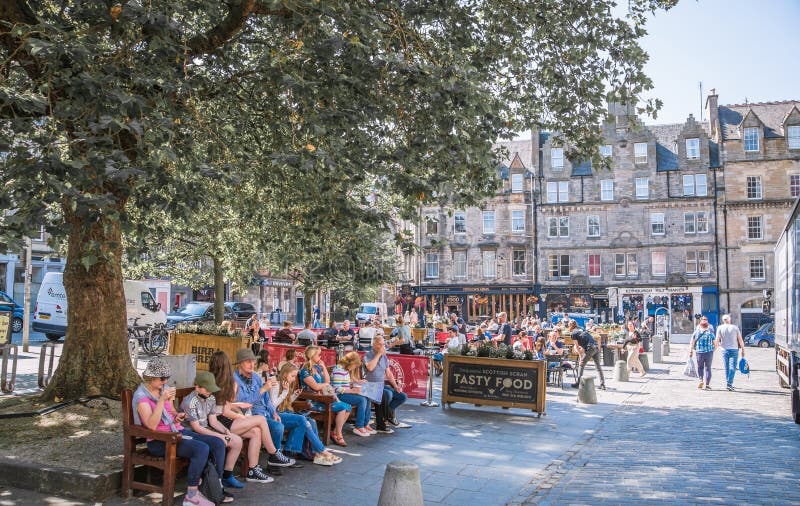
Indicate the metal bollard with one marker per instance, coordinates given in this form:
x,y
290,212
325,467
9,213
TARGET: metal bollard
x,y
429,402
133,349
621,371
44,380
7,386
665,351
657,359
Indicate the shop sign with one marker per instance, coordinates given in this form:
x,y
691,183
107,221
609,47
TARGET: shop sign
x,y
496,382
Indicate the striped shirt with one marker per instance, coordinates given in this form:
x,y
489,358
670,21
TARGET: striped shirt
x,y
340,379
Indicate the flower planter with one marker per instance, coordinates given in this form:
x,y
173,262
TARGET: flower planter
x,y
203,346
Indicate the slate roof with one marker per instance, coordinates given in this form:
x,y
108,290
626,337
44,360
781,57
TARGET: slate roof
x,y
771,114
666,149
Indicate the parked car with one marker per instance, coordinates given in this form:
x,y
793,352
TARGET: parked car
x,y
242,310
195,312
17,316
763,336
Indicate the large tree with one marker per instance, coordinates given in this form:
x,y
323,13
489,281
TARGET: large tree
x,y
103,102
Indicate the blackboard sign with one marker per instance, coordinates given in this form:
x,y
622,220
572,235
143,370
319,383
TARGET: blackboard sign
x,y
497,382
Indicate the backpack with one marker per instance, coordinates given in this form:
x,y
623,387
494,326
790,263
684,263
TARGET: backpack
x,y
210,484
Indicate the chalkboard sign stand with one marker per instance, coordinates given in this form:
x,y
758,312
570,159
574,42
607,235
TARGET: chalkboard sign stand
x,y
494,382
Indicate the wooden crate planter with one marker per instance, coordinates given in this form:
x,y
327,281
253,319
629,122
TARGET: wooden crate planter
x,y
203,346
419,334
494,382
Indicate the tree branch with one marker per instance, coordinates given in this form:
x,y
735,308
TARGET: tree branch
x,y
17,12
224,31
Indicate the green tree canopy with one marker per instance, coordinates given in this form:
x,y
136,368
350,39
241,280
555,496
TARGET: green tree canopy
x,y
111,107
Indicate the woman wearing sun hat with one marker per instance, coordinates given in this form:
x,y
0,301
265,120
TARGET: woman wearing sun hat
x,y
153,403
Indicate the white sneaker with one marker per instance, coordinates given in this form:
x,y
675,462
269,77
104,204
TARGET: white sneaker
x,y
362,432
198,500
371,430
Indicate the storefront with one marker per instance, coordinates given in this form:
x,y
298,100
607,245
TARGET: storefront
x,y
683,304
479,302
582,300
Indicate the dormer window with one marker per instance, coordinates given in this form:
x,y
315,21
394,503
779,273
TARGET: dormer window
x,y
751,139
793,136
516,183
640,152
692,149
557,158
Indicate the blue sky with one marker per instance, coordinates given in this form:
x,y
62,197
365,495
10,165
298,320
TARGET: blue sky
x,y
746,49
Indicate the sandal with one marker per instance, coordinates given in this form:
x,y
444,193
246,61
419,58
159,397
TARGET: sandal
x,y
339,440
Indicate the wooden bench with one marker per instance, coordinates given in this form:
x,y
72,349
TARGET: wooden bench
x,y
324,418
135,452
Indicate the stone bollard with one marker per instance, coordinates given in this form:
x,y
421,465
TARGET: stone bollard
x,y
621,371
645,361
401,485
586,392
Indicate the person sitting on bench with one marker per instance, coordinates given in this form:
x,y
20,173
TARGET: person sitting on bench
x,y
154,409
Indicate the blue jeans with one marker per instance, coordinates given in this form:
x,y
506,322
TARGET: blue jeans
x,y
731,358
395,398
704,360
275,431
362,404
197,449
296,425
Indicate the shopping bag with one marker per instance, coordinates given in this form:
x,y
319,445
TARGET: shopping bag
x,y
690,369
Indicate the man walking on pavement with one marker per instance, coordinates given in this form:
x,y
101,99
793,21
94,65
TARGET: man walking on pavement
x,y
729,338
590,352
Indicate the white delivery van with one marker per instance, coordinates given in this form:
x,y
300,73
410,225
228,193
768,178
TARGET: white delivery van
x,y
50,312
371,310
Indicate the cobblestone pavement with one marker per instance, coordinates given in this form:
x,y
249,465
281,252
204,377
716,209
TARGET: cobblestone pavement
x,y
653,440
675,444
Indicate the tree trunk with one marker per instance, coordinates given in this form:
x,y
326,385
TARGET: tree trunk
x,y
95,359
308,296
219,291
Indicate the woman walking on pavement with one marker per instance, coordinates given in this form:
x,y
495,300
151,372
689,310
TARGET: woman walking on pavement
x,y
632,345
704,343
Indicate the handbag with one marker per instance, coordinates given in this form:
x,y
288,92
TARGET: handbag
x,y
307,453
210,484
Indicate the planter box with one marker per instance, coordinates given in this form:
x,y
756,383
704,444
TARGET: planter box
x,y
495,382
203,346
419,334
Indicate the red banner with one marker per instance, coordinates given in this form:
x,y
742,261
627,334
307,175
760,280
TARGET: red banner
x,y
410,372
277,354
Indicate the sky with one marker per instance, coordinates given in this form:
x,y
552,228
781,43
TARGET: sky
x,y
746,49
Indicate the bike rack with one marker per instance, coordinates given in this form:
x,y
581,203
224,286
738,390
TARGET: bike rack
x,y
44,380
133,349
7,386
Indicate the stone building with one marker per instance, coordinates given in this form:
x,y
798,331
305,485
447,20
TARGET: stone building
x,y
479,261
760,154
636,237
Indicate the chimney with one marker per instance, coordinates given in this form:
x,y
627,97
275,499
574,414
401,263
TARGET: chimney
x,y
712,107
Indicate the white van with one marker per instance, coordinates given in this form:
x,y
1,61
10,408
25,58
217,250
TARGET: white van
x,y
50,312
371,310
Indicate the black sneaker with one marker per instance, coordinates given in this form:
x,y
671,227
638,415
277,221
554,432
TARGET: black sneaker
x,y
393,421
280,460
602,387
575,385
256,474
730,388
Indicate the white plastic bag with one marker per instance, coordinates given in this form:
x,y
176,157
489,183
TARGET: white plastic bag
x,y
690,369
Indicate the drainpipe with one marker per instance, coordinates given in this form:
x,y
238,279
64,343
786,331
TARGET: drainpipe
x,y
716,235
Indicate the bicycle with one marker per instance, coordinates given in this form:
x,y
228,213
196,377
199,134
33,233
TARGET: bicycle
x,y
152,338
